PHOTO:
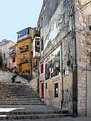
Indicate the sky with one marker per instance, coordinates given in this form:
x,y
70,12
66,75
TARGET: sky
x,y
16,15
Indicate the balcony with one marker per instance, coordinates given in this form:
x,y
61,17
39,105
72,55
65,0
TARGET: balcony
x,y
22,61
12,53
24,49
36,33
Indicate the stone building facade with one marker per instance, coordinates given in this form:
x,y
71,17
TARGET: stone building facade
x,y
65,44
83,36
6,77
25,51
13,56
1,51
5,54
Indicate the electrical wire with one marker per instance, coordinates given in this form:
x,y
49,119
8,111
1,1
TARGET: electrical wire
x,y
82,6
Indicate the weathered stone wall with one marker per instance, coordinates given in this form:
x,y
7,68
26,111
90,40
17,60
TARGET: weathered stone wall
x,y
6,77
83,48
48,9
67,72
49,92
55,32
33,83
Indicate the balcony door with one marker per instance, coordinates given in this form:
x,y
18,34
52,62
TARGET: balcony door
x,y
20,68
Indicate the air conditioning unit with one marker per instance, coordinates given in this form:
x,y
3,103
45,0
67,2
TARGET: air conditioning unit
x,y
36,47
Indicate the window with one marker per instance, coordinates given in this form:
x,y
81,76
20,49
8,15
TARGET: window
x,y
9,65
38,43
13,59
25,57
42,44
25,46
36,62
41,21
41,68
90,28
46,85
13,49
5,66
89,19
89,22
56,90
4,56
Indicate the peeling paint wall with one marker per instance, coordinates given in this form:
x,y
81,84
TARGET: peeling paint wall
x,y
55,31
83,49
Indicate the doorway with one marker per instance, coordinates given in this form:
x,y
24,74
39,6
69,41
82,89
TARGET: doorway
x,y
42,90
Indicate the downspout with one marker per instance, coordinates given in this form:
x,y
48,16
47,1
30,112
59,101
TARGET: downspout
x,y
38,79
62,78
74,67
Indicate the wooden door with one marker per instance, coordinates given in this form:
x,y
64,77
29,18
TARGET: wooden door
x,y
42,90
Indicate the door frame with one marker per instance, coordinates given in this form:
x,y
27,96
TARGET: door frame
x,y
42,90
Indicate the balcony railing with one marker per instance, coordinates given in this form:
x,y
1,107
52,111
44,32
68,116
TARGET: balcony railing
x,y
12,53
24,48
22,61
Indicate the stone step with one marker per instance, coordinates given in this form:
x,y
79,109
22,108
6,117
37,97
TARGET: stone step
x,y
32,116
7,102
28,113
21,99
22,104
11,92
12,97
21,96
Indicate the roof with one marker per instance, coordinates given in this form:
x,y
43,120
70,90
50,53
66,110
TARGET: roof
x,y
13,46
3,42
26,28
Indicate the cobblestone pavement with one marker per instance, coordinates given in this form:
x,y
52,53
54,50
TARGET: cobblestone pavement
x,y
58,119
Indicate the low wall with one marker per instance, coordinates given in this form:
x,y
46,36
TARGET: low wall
x,y
33,84
6,76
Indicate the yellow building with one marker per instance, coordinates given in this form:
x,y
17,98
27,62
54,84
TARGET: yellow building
x,y
25,51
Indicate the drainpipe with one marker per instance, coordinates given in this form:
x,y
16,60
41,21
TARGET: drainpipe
x,y
90,58
38,79
74,67
62,78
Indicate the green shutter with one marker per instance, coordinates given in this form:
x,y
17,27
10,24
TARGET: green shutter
x,y
56,90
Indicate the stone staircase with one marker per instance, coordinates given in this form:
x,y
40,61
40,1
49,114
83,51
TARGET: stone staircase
x,y
19,101
18,94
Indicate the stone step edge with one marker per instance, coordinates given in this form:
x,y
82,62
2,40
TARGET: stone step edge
x,y
26,104
33,116
37,112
